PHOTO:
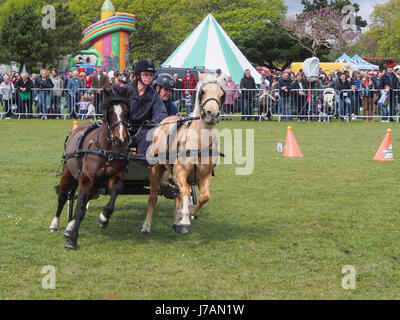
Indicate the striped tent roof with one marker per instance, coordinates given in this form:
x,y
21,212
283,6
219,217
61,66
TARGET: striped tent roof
x,y
210,47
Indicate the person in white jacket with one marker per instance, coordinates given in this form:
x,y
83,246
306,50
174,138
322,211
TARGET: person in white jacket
x,y
7,90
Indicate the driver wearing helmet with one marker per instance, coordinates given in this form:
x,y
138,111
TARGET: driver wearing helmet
x,y
145,105
164,85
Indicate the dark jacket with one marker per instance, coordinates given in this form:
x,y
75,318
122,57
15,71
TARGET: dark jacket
x,y
296,85
343,85
44,84
28,84
172,110
102,84
149,107
284,83
296,88
385,81
248,83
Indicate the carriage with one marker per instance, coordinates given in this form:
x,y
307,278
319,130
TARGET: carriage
x,y
101,155
137,182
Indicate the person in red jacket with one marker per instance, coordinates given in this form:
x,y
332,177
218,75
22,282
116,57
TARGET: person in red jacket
x,y
189,82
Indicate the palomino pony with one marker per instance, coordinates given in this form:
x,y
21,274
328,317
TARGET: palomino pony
x,y
95,157
189,154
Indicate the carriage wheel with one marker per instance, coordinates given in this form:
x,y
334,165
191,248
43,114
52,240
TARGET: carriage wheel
x,y
70,209
71,197
193,196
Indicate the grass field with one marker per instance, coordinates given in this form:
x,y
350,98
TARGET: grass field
x,y
284,232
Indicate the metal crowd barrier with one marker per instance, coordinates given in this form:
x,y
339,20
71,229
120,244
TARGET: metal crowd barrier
x,y
53,104
368,104
5,107
250,103
255,104
42,103
88,102
306,104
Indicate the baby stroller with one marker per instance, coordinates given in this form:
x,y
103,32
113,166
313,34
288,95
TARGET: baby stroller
x,y
329,96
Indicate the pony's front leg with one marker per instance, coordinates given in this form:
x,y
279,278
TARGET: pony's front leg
x,y
155,180
183,225
178,213
115,185
67,184
204,186
83,198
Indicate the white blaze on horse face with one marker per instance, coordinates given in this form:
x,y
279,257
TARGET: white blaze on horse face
x,y
118,112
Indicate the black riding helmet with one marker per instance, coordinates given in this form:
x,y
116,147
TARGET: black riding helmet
x,y
145,65
164,80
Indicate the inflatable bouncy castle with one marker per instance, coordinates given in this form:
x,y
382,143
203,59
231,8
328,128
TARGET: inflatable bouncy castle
x,y
107,42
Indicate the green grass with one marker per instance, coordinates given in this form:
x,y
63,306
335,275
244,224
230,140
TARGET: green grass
x,y
284,232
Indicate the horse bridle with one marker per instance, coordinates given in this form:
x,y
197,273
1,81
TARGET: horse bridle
x,y
110,137
202,105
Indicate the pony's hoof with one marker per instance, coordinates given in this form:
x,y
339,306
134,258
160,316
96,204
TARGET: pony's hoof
x,y
102,224
185,228
67,233
71,245
51,230
145,232
182,228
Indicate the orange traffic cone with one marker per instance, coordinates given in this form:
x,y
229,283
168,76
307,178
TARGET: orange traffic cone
x,y
291,148
75,125
385,152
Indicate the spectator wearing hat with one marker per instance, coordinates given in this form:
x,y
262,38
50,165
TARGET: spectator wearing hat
x,y
189,83
221,77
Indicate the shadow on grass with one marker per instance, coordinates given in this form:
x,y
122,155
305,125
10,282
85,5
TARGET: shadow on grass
x,y
127,220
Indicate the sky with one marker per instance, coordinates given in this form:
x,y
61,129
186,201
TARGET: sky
x,y
366,7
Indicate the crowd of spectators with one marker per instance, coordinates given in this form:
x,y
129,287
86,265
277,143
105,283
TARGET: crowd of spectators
x,y
344,94
47,94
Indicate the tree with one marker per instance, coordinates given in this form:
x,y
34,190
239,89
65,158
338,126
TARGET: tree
x,y
336,5
385,29
68,31
319,29
23,39
269,45
163,25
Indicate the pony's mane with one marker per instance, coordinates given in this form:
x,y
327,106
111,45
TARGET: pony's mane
x,y
116,95
210,78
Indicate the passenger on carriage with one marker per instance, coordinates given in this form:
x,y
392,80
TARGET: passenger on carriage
x,y
165,85
145,105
